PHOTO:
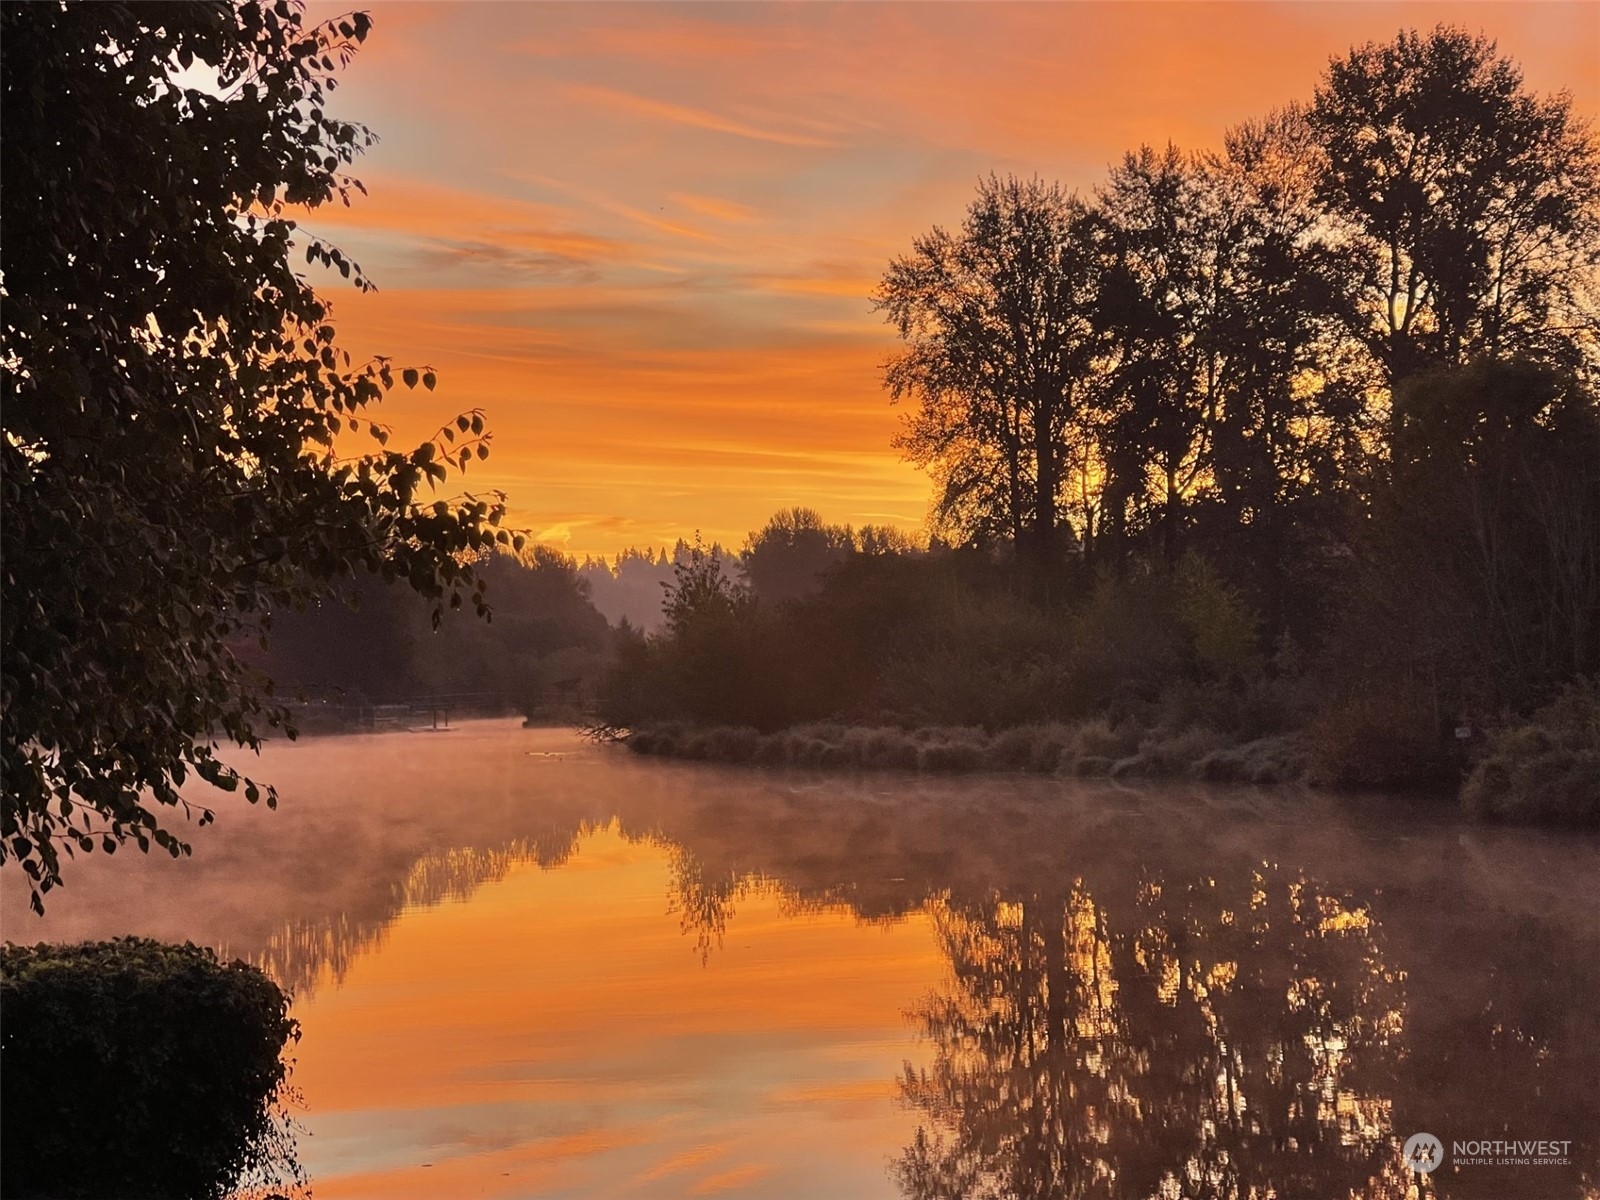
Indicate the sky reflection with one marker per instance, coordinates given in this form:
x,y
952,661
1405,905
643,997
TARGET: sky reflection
x,y
530,966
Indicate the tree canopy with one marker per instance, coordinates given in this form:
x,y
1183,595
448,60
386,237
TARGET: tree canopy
x,y
997,348
186,450
788,555
1217,338
1473,203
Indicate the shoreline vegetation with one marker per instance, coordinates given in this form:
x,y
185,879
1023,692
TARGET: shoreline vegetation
x,y
1545,769
940,661
1088,749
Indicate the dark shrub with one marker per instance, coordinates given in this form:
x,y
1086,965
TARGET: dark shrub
x,y
1382,736
1546,768
135,1068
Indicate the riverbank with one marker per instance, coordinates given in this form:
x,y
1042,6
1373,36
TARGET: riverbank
x,y
1088,749
1542,770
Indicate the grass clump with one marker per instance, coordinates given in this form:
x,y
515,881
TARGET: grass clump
x,y
1089,748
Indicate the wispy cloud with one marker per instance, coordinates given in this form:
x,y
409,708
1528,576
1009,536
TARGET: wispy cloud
x,y
668,40
679,114
446,226
728,1180
661,295
617,208
717,209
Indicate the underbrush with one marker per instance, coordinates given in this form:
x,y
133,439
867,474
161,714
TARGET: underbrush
x,y
1384,735
1546,768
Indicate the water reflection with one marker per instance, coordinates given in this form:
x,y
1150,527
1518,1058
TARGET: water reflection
x,y
1137,1007
1179,992
321,949
1213,1038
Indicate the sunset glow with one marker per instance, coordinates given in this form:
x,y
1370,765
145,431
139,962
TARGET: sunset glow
x,y
643,238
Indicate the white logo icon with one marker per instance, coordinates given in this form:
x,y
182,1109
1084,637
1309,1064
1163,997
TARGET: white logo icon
x,y
1423,1152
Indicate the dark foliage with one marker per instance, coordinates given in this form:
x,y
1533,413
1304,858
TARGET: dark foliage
x,y
178,463
1472,200
788,557
1546,768
378,643
134,1068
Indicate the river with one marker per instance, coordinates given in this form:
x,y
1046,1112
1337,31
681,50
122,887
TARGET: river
x,y
525,965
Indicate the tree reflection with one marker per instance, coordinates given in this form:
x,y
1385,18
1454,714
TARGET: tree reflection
x,y
1154,1009
1221,1039
303,953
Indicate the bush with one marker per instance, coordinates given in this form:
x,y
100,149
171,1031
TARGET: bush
x,y
731,744
887,749
135,1068
1384,736
1544,769
1100,739
1089,748
1013,749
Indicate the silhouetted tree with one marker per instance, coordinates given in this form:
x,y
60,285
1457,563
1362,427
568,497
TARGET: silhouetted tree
x,y
1218,303
1284,411
877,540
174,397
1149,302
1473,201
702,591
786,558
1485,556
999,342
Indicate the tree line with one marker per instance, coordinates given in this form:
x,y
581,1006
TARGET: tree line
x,y
1222,338
1314,412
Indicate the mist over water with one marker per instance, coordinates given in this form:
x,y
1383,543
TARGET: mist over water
x,y
526,965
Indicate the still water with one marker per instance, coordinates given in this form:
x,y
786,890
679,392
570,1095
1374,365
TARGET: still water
x,y
528,966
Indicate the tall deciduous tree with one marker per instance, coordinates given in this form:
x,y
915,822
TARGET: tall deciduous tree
x,y
998,344
1283,410
1152,304
1473,201
1218,304
175,396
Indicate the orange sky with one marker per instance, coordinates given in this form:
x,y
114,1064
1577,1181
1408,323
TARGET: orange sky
x,y
642,237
